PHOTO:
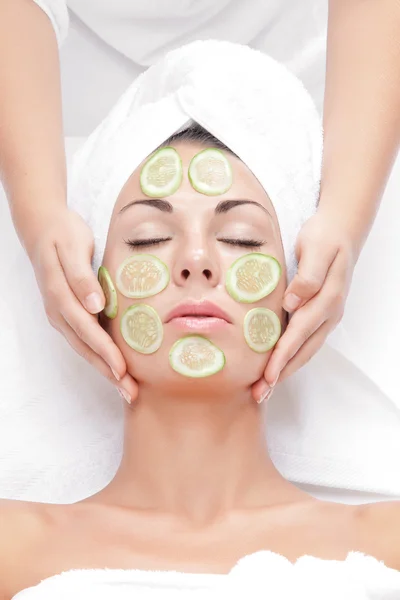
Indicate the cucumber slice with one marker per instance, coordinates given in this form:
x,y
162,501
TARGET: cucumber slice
x,y
262,329
141,276
142,329
210,172
196,356
252,277
111,307
162,173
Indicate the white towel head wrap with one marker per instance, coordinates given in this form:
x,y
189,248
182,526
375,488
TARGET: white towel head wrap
x,y
250,102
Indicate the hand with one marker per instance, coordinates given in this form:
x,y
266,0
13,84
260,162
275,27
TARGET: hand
x,y
326,255
60,251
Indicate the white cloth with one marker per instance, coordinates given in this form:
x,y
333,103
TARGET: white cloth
x,y
111,42
257,576
247,100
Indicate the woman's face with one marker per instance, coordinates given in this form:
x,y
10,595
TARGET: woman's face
x,y
203,236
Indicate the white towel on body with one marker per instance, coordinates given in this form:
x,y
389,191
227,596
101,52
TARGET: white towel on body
x,y
259,576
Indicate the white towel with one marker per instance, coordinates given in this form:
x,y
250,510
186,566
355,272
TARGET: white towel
x,y
246,99
259,576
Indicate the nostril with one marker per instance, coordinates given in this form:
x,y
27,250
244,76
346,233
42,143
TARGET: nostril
x,y
207,273
185,274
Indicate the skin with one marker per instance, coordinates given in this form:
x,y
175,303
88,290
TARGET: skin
x,y
362,132
196,489
195,248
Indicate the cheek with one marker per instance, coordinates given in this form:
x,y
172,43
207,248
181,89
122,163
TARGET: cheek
x,y
274,300
243,366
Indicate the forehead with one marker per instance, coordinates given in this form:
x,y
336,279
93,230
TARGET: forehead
x,y
245,184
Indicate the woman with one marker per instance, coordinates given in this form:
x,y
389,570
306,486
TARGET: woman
x,y
361,141
196,489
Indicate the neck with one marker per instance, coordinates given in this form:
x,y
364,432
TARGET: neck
x,y
196,458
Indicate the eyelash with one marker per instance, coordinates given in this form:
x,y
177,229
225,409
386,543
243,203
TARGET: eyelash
x,y
233,242
242,243
143,243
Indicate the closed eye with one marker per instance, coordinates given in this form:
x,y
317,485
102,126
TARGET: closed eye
x,y
242,243
232,241
149,242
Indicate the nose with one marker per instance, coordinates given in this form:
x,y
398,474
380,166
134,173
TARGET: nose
x,y
196,265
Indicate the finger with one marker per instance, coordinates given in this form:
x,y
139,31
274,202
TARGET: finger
x,y
86,352
88,329
313,268
127,383
307,351
325,306
301,327
260,390
58,294
75,260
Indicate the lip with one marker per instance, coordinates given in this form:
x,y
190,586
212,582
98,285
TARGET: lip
x,y
197,312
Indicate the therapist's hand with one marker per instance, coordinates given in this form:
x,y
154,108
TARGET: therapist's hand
x,y
60,251
326,253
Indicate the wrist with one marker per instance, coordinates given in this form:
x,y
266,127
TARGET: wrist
x,y
350,218
30,225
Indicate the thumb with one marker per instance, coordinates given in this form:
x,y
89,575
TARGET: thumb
x,y
314,264
76,263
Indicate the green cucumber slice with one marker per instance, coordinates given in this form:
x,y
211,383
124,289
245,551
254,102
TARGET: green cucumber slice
x,y
142,329
252,277
262,329
111,307
142,276
196,356
210,172
162,173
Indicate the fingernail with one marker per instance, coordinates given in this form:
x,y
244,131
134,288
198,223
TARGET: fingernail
x,y
273,384
265,396
124,395
292,302
93,303
117,377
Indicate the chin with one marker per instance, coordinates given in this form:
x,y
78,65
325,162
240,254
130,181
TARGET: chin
x,y
165,382
242,368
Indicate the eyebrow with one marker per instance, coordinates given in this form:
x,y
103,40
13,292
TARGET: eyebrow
x,y
165,206
162,205
226,205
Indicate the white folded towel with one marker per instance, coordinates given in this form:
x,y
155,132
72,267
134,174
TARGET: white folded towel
x,y
246,99
259,576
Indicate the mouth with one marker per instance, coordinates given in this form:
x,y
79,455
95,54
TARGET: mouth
x,y
201,316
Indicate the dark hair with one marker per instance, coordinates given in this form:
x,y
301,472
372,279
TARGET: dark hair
x,y
196,133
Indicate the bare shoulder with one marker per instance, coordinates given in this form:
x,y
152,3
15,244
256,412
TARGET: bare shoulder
x,y
379,531
22,525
